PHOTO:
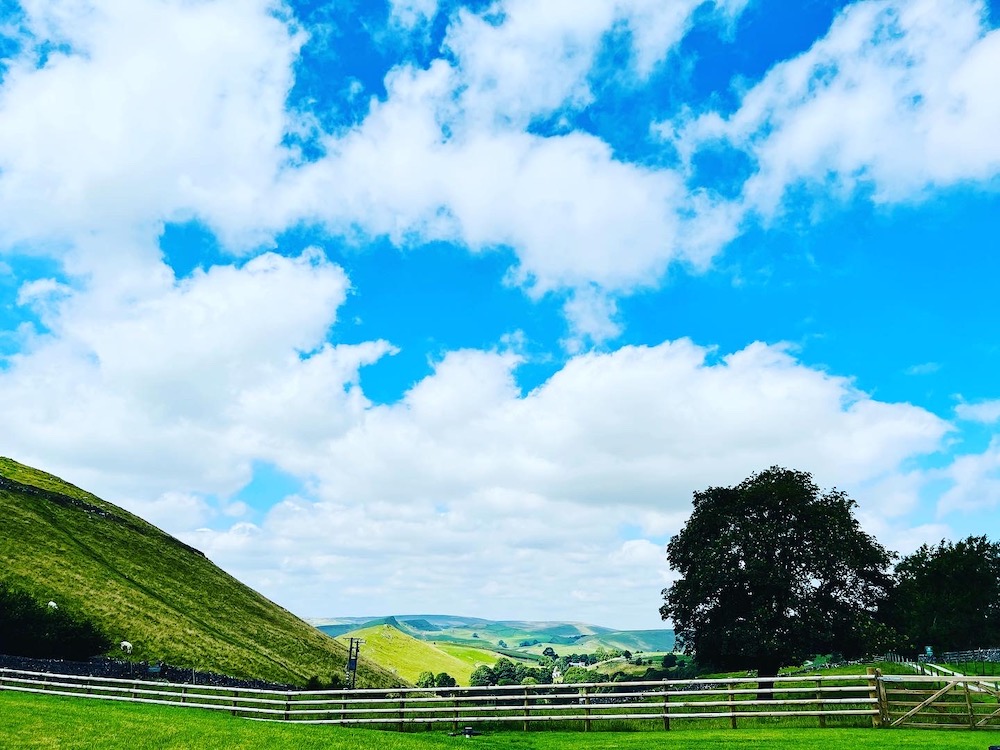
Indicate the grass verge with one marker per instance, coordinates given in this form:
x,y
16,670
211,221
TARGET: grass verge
x,y
33,721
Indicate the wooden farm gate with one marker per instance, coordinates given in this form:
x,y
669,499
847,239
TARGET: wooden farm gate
x,y
939,702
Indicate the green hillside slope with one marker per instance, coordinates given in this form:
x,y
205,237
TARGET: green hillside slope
x,y
407,656
142,585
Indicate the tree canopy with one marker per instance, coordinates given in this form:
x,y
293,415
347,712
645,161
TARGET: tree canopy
x,y
948,595
772,571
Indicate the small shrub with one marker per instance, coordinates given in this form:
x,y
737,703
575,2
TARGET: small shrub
x,y
426,680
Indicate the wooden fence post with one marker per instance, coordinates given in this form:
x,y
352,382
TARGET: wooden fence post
x,y
524,728
968,706
876,691
732,703
819,704
666,711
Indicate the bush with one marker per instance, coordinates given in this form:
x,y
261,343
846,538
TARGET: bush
x,y
444,679
29,628
481,676
579,674
426,680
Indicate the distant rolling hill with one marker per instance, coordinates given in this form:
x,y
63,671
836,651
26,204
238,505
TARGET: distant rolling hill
x,y
511,637
140,584
406,656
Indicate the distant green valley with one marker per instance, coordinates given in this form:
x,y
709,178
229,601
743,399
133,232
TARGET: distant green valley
x,y
409,645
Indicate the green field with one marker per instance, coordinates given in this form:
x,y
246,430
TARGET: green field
x,y
407,656
33,721
471,655
139,584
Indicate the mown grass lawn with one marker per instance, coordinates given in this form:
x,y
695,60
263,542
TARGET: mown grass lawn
x,y
33,721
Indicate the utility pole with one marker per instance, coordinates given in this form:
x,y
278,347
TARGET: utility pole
x,y
353,650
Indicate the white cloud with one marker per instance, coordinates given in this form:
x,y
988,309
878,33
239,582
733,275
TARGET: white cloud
x,y
179,385
159,110
41,294
523,59
576,217
975,482
467,485
165,111
172,509
924,368
986,412
571,211
447,156
412,13
591,314
897,96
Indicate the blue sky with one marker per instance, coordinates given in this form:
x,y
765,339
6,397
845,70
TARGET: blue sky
x,y
424,306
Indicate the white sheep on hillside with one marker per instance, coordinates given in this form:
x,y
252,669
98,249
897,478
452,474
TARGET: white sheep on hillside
x,y
53,605
126,647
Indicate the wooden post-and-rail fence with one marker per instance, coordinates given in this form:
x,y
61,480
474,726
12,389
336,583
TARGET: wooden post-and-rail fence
x,y
830,700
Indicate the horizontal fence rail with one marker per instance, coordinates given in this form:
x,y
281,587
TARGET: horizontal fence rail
x,y
973,655
839,700
941,702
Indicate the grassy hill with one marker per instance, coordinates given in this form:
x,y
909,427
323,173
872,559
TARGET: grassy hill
x,y
142,585
407,656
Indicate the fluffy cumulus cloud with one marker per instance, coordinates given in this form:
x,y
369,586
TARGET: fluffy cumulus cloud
x,y
895,99
140,111
468,480
177,385
449,154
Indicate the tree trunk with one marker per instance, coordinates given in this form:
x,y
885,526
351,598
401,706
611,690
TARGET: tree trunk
x,y
765,687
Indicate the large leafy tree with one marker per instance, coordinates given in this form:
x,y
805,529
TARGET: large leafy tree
x,y
948,595
772,571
